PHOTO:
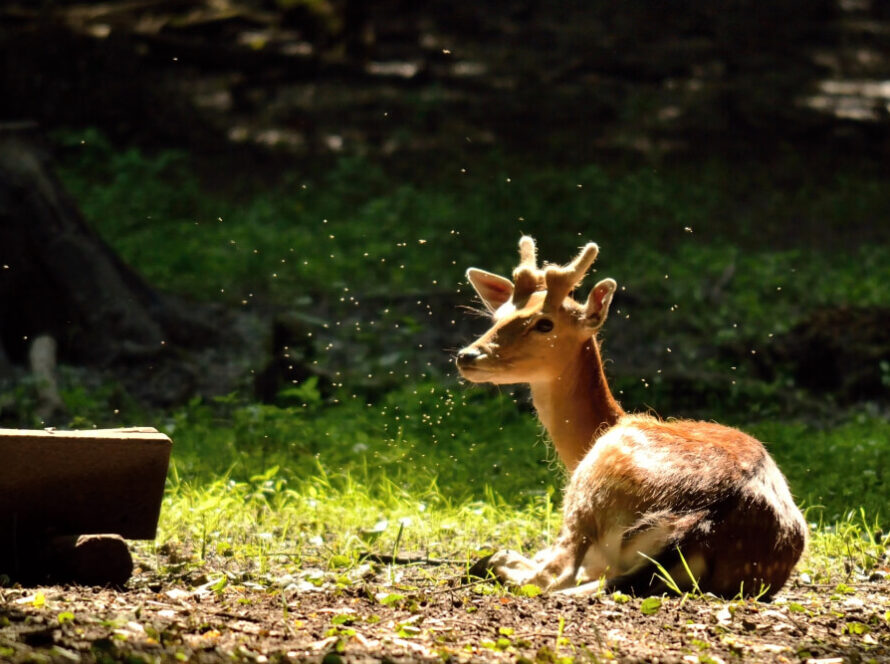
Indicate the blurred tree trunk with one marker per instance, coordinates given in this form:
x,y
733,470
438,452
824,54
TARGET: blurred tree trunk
x,y
58,278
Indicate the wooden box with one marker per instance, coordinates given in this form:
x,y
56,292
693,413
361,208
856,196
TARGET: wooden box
x,y
57,483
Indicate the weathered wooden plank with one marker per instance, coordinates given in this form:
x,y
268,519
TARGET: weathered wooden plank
x,y
81,482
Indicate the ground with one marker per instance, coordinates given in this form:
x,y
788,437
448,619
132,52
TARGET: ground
x,y
422,612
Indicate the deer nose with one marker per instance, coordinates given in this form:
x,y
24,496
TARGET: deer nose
x,y
467,356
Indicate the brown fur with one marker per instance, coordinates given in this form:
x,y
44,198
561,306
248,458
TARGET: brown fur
x,y
639,485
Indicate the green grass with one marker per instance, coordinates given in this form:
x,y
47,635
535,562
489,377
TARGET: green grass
x,y
454,470
342,479
324,521
705,255
467,444
354,226
463,442
320,510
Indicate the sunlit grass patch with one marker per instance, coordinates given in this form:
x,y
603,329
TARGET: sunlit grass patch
x,y
852,549
466,442
269,525
346,479
316,531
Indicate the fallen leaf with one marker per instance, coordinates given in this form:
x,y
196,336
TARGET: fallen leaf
x,y
528,590
650,605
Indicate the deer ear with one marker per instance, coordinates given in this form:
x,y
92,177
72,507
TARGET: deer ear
x,y
492,289
598,302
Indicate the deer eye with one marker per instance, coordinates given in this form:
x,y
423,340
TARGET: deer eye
x,y
543,325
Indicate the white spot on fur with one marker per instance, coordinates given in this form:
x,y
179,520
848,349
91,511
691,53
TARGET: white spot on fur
x,y
634,443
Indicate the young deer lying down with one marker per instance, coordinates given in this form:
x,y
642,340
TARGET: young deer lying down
x,y
641,488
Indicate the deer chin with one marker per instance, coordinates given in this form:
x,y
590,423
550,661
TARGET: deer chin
x,y
490,377
476,374
494,374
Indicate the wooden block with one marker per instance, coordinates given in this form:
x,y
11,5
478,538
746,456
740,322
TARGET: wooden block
x,y
90,560
81,482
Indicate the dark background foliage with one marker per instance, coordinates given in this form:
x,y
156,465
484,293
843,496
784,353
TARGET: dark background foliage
x,y
283,196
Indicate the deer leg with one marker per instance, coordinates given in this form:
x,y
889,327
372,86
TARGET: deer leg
x,y
582,590
510,567
551,568
560,569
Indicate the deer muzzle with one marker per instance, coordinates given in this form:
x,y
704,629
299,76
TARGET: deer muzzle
x,y
467,357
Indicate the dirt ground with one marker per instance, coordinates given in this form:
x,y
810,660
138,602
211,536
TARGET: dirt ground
x,y
379,613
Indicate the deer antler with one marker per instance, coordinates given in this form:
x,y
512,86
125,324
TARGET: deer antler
x,y
527,278
556,280
561,280
528,252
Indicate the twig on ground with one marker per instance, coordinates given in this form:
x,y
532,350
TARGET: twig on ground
x,y
461,586
408,560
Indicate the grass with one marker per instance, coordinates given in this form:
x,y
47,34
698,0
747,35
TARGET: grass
x,y
354,226
415,437
469,443
312,522
431,467
332,491
324,522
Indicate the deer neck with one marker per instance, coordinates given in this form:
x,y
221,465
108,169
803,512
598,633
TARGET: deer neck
x,y
576,406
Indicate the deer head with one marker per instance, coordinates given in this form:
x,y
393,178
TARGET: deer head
x,y
538,328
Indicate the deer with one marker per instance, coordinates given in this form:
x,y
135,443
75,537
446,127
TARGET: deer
x,y
703,502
